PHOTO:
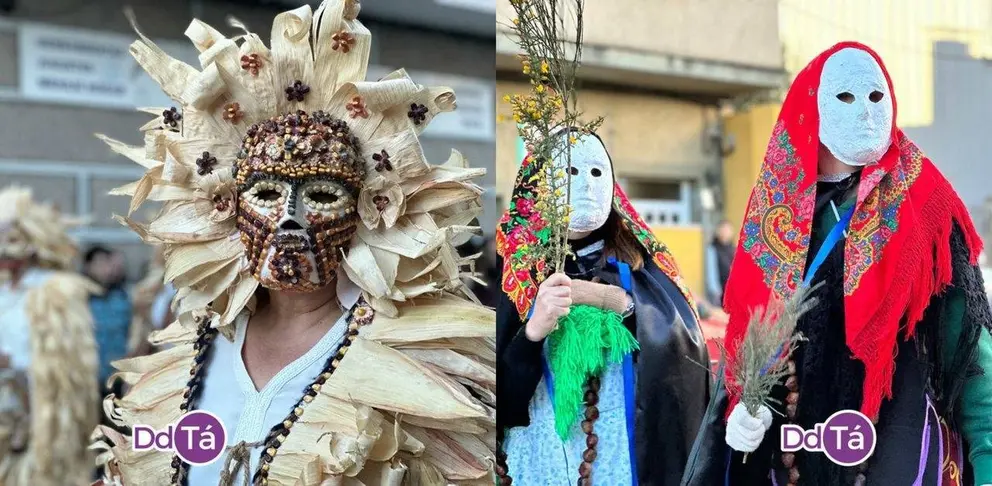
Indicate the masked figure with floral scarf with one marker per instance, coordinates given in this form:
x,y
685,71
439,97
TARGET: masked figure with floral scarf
x,y
900,331
601,369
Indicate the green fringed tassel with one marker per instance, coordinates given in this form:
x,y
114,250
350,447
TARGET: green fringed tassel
x,y
587,339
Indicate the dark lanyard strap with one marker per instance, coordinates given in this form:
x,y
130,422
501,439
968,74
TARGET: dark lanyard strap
x,y
835,235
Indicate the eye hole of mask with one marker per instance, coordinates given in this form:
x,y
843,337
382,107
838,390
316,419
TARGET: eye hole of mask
x,y
846,97
596,172
574,171
876,96
268,195
322,197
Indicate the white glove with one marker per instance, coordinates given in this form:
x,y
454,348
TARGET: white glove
x,y
744,432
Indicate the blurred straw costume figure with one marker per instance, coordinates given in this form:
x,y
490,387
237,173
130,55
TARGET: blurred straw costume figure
x,y
48,398
297,194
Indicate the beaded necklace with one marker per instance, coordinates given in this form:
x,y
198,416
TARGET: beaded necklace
x,y
360,315
590,400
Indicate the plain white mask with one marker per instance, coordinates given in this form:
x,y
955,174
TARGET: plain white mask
x,y
855,108
591,184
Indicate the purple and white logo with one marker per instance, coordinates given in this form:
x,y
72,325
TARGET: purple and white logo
x,y
847,438
198,438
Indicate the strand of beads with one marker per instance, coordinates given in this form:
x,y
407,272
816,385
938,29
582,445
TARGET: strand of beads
x,y
791,401
501,470
591,401
861,479
588,427
204,337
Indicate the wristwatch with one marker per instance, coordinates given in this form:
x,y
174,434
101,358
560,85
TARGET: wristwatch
x,y
629,310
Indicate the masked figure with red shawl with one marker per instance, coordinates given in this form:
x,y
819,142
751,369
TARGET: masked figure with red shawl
x,y
627,323
900,331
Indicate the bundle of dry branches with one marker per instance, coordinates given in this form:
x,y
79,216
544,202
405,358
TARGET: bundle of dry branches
x,y
550,61
767,346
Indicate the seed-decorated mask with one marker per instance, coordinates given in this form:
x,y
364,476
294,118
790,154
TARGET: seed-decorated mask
x,y
298,178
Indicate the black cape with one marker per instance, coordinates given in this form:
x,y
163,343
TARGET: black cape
x,y
672,377
830,380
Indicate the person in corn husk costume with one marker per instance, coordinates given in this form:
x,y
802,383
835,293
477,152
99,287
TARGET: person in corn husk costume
x,y
321,311
48,360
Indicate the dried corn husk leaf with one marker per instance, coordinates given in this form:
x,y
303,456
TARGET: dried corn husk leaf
x,y
400,385
455,364
337,67
369,211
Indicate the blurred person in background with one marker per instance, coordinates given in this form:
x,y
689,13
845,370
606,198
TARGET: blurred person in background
x,y
112,309
48,359
719,256
900,328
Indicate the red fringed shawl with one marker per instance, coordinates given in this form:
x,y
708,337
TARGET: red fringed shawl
x,y
896,256
522,226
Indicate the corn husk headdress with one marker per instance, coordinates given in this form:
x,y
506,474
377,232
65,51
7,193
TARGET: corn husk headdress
x,y
401,251
414,401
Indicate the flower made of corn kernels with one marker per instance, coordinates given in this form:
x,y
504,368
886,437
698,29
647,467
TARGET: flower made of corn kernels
x,y
301,145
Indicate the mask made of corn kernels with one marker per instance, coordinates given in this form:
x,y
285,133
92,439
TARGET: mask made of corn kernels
x,y
298,179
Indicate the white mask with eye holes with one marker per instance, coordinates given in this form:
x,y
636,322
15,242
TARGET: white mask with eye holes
x,y
855,108
855,105
591,185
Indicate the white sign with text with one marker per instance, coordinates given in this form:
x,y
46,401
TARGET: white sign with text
x,y
85,67
92,68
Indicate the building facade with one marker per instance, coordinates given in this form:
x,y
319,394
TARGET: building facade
x,y
659,72
937,54
65,74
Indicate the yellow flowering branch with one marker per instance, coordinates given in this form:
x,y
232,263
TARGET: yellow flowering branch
x,y
547,116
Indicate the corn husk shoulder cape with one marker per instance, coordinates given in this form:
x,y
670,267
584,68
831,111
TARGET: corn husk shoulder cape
x,y
414,399
44,426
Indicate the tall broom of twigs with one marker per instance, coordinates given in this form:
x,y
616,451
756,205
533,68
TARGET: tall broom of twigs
x,y
764,351
550,61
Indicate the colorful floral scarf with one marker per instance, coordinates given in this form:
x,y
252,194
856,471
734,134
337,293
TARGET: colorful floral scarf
x,y
897,254
522,227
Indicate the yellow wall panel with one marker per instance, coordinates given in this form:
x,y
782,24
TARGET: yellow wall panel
x,y
751,130
902,31
686,244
